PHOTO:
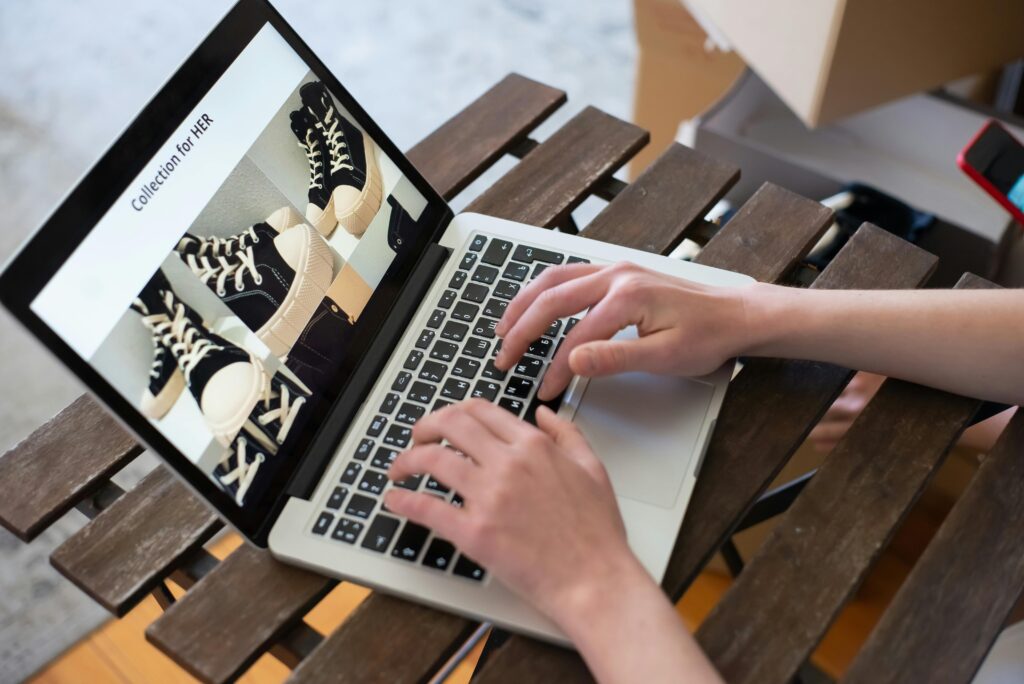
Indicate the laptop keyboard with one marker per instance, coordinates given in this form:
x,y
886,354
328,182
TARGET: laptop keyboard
x,y
451,359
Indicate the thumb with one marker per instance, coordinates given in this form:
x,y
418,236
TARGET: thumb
x,y
607,357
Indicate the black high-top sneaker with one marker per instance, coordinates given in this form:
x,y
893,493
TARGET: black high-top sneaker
x,y
315,355
275,416
273,283
212,246
165,379
226,380
320,205
352,176
239,467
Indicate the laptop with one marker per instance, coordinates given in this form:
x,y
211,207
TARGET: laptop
x,y
262,288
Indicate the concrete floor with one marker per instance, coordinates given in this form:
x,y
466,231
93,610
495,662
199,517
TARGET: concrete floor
x,y
75,73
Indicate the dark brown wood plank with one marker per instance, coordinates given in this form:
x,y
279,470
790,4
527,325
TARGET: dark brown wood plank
x,y
774,615
772,404
60,464
121,555
466,145
554,178
223,624
674,193
411,641
525,660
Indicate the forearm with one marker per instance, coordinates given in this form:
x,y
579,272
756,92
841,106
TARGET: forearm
x,y
965,341
627,631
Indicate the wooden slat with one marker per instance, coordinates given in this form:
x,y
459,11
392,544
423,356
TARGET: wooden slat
x,y
120,556
950,609
59,464
466,145
787,596
411,641
674,193
525,660
553,179
233,614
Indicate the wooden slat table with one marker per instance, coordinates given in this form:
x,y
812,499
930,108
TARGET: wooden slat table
x,y
765,626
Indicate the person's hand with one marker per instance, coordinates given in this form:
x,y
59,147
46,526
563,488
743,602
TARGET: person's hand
x,y
844,410
685,328
538,509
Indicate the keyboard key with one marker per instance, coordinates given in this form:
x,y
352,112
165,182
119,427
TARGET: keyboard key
x,y
376,426
485,327
518,387
490,371
529,367
410,541
444,351
411,483
495,308
478,243
347,531
476,347
413,360
409,413
439,404
485,389
401,382
538,269
515,406
455,331
435,486
496,252
553,329
464,567
439,554
323,523
447,299
454,389
577,260
351,473
465,368
337,498
516,271
506,289
425,338
389,403
422,392
456,500
464,311
379,533
541,347
531,254
497,348
570,324
475,292
384,458
485,274
364,449
458,278
398,435
433,371
467,262
373,482
436,319
360,506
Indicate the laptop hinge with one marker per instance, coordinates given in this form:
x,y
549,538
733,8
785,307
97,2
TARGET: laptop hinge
x,y
325,444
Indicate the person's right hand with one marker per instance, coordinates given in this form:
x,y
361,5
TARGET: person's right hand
x,y
685,328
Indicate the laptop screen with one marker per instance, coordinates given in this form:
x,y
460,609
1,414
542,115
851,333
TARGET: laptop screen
x,y
228,287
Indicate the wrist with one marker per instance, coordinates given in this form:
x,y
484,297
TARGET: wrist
x,y
772,315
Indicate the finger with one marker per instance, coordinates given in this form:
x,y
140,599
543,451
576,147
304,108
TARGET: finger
x,y
505,425
462,429
572,442
552,304
551,277
429,511
607,357
440,462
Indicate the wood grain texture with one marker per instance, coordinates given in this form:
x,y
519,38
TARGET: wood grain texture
x,y
466,145
525,660
674,193
771,406
412,642
945,617
554,178
119,556
60,464
223,624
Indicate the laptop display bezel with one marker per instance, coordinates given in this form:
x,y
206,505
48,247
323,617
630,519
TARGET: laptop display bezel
x,y
49,247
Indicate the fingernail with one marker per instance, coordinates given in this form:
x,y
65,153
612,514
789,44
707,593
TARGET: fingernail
x,y
584,361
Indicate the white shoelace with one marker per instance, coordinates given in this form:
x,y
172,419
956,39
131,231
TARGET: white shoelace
x,y
217,246
179,335
220,269
335,141
243,473
311,147
285,412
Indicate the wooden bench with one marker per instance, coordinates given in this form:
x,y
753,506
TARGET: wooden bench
x,y
777,611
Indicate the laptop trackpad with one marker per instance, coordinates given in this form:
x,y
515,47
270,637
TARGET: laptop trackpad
x,y
644,428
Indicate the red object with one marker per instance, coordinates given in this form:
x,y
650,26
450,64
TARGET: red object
x,y
975,157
